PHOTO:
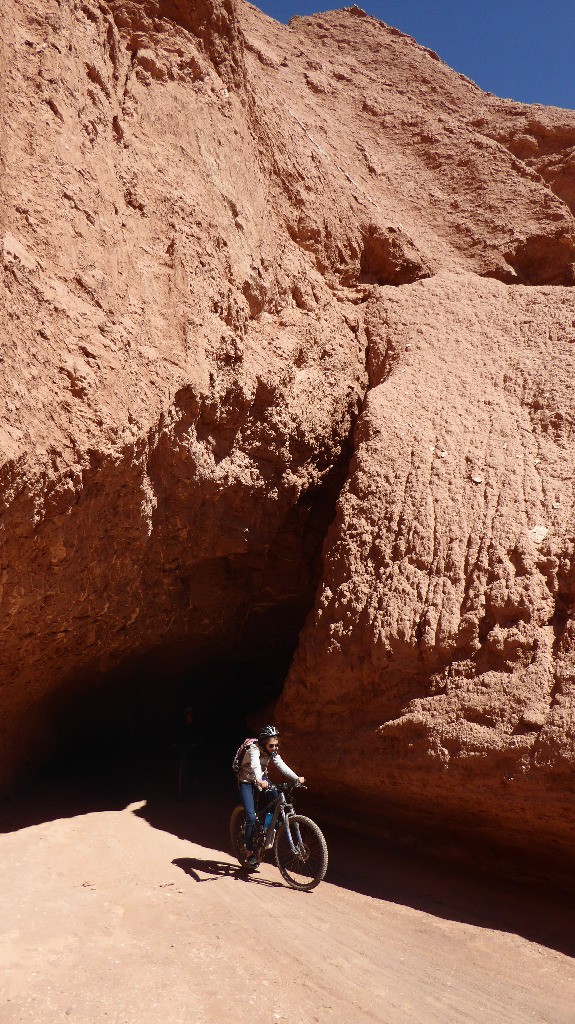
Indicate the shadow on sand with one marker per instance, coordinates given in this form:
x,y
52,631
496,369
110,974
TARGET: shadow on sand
x,y
220,869
374,868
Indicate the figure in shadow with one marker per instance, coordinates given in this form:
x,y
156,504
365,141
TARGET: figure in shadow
x,y
189,753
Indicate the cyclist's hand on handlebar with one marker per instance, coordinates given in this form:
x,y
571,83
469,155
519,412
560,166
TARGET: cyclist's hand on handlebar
x,y
264,784
301,780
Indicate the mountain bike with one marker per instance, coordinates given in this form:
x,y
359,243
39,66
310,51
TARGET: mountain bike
x,y
300,849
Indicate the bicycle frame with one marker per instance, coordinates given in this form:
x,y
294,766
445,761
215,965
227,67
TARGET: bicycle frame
x,y
299,846
283,811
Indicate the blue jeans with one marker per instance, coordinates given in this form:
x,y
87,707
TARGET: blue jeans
x,y
249,794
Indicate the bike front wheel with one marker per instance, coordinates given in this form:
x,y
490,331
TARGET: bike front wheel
x,y
304,866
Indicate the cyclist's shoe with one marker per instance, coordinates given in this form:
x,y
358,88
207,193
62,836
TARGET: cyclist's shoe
x,y
252,861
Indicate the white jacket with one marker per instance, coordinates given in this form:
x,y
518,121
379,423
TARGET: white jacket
x,y
255,763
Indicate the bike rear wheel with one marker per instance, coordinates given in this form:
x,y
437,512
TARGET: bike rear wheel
x,y
237,834
305,868
238,838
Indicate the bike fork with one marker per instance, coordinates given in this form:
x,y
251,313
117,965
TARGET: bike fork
x,y
294,847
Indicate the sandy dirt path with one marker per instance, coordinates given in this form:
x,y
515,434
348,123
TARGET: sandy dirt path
x,y
115,915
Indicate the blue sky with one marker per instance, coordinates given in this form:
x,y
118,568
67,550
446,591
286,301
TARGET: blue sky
x,y
521,49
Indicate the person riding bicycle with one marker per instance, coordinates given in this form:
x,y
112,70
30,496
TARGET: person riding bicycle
x,y
253,776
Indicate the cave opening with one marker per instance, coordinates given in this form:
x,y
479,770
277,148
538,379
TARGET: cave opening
x,y
133,713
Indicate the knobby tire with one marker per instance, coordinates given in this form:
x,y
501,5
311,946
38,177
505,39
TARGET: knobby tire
x,y
306,871
237,834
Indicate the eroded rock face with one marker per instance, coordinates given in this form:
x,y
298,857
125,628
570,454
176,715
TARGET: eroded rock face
x,y
177,383
443,623
234,254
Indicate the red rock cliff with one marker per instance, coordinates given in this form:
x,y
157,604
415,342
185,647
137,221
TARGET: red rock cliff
x,y
225,243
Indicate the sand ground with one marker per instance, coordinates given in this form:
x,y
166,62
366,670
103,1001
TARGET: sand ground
x,y
122,905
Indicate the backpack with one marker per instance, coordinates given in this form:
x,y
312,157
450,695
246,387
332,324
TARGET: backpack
x,y
240,754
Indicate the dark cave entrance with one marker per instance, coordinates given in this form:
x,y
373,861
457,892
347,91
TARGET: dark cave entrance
x,y
135,711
